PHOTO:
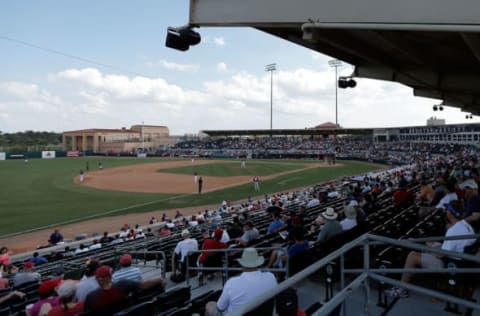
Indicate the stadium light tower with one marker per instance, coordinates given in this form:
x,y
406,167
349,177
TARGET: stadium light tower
x,y
335,63
271,68
143,137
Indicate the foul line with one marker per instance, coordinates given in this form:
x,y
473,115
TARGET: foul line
x,y
78,219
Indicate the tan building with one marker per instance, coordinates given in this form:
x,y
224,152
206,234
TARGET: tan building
x,y
117,140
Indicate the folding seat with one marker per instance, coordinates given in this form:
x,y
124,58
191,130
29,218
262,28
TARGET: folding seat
x,y
27,286
144,309
19,307
264,309
183,311
5,310
172,298
198,303
148,295
214,260
313,308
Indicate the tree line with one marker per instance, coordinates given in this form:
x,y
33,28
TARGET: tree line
x,y
30,141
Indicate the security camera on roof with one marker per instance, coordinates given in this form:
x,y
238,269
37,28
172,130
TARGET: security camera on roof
x,y
181,38
346,82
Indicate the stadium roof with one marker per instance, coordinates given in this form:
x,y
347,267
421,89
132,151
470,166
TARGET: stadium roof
x,y
283,132
101,130
432,46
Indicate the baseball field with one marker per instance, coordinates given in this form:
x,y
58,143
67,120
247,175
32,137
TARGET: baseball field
x,y
46,193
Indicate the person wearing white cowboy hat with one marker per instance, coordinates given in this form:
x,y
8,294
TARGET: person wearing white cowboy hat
x,y
331,228
244,288
350,220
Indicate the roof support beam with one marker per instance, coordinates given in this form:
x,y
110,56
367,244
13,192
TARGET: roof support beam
x,y
473,42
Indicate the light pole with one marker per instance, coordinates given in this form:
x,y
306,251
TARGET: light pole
x,y
335,63
143,138
271,68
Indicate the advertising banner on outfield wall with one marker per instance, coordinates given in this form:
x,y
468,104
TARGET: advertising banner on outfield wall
x,y
3,156
49,154
73,153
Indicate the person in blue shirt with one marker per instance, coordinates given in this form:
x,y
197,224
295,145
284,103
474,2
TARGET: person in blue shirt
x,y
37,259
471,202
279,257
55,237
277,223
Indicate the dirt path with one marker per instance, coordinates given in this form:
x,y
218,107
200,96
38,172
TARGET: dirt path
x,y
136,177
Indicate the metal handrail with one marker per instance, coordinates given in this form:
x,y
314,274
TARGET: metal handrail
x,y
367,273
226,269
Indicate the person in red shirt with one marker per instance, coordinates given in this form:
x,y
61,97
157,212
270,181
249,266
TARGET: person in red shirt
x,y
208,259
402,196
112,297
5,256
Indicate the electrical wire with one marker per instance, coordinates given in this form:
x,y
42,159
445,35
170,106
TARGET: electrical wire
x,y
67,55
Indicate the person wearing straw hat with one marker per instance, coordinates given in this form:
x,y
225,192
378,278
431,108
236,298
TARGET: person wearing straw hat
x,y
242,289
331,228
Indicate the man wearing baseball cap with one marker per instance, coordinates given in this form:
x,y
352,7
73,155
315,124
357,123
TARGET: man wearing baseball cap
x,y
127,271
112,297
242,289
471,202
212,244
28,275
211,259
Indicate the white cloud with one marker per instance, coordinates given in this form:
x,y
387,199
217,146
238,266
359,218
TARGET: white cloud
x,y
170,65
95,103
219,41
317,56
84,98
126,88
26,91
34,97
222,67
241,87
3,112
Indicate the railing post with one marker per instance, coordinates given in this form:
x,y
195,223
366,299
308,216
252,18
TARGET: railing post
x,y
225,268
187,272
342,282
366,268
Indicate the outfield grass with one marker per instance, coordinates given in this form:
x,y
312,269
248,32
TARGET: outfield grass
x,y
42,193
233,168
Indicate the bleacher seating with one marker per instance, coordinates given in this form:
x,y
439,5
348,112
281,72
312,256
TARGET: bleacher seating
x,y
384,219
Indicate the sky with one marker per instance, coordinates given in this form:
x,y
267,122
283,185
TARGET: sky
x,y
68,65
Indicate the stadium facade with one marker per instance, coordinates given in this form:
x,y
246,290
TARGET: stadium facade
x,y
138,137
